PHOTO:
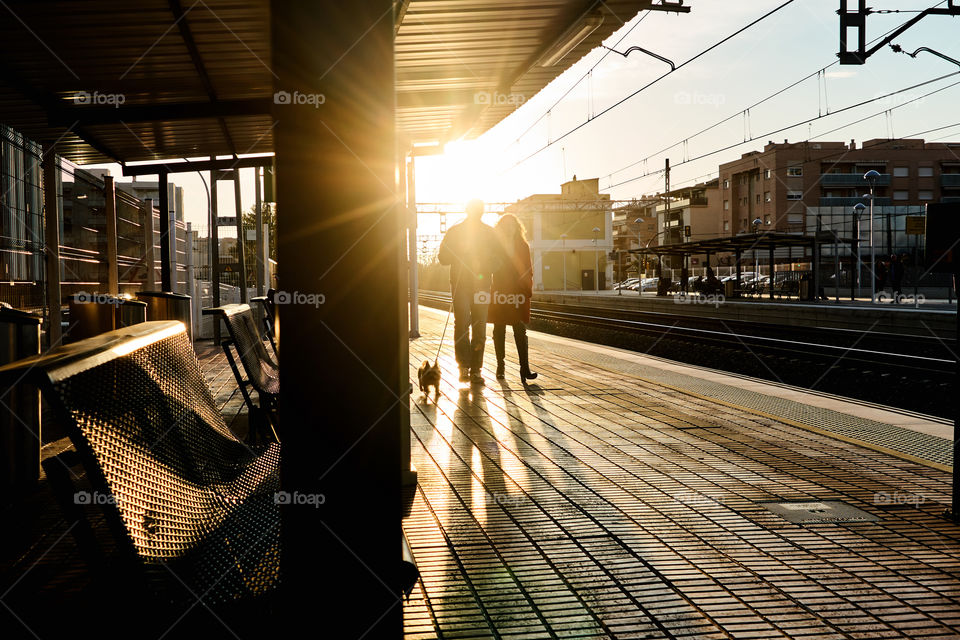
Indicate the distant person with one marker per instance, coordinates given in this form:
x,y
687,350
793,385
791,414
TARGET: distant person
x,y
896,277
470,248
512,292
713,284
880,275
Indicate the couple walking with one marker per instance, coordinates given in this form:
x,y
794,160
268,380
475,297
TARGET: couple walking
x,y
491,280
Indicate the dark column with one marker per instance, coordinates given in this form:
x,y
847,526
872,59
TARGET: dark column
x,y
738,252
215,251
772,272
346,380
51,240
165,265
258,231
110,212
241,259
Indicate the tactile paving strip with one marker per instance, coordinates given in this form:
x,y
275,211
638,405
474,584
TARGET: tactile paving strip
x,y
920,445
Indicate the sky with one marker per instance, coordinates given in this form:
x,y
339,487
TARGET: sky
x,y
512,161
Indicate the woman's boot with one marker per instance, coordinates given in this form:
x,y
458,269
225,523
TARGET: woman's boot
x,y
520,336
499,346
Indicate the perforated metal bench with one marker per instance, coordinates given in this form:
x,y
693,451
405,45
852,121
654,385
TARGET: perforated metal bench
x,y
261,372
189,505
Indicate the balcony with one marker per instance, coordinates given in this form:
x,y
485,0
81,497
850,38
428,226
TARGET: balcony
x,y
849,202
950,180
852,180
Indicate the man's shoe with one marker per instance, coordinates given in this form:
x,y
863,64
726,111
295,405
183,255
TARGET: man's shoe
x,y
526,374
476,378
464,375
501,371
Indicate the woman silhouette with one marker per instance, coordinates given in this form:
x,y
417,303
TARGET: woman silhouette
x,y
511,293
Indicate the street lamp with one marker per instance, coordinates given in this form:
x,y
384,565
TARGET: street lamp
x,y
858,210
756,257
563,239
639,277
871,177
596,262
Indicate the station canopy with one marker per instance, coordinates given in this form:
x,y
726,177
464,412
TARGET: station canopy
x,y
111,80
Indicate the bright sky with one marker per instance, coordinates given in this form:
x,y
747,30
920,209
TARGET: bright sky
x,y
795,42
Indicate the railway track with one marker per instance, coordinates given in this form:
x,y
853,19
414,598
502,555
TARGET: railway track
x,y
914,373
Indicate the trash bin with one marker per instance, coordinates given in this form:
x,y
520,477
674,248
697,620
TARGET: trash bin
x,y
94,313
163,305
728,288
20,419
804,289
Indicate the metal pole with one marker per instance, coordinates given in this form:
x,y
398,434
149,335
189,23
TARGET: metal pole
x,y
563,239
412,247
620,269
51,240
596,265
240,239
172,246
215,251
836,267
258,230
164,206
150,282
110,211
873,259
190,288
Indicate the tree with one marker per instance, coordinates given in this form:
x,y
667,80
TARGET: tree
x,y
269,215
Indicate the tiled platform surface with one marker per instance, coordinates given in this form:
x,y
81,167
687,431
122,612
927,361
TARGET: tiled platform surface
x,y
597,504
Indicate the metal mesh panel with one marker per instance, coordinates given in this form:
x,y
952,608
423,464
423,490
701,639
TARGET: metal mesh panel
x,y
198,505
261,369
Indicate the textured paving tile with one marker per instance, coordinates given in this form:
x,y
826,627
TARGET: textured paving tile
x,y
598,504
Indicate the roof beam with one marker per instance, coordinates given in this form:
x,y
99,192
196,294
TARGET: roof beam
x,y
180,19
155,168
157,112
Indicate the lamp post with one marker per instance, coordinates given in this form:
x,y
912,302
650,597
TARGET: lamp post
x,y
756,258
596,262
858,210
563,239
871,177
639,277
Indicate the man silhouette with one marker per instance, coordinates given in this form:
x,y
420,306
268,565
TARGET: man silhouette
x,y
471,250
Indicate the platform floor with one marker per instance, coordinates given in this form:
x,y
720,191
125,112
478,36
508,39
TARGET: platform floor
x,y
600,503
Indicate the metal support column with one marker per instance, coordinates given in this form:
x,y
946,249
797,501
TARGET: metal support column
x,y
345,396
164,206
172,256
258,231
110,212
412,247
241,240
51,239
149,260
772,272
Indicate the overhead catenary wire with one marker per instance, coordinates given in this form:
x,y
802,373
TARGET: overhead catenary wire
x,y
813,119
654,81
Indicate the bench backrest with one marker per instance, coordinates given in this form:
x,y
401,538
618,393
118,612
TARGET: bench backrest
x,y
261,369
182,493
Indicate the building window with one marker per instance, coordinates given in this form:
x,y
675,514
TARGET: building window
x,y
766,196
726,225
758,198
726,184
756,177
726,205
795,172
795,218
925,172
925,195
901,172
766,174
901,195
766,219
794,195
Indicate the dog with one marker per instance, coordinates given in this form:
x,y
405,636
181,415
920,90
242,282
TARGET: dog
x,y
429,376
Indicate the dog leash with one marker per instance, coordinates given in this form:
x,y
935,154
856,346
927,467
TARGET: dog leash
x,y
449,311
